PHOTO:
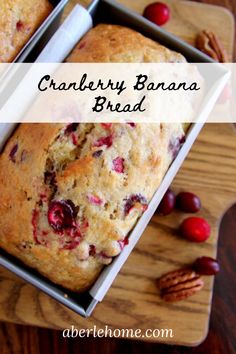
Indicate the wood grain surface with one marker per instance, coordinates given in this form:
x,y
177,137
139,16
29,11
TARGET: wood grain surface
x,y
133,301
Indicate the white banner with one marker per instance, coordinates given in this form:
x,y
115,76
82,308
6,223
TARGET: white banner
x,y
116,93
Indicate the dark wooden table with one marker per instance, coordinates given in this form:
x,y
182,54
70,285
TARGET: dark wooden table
x,y
16,339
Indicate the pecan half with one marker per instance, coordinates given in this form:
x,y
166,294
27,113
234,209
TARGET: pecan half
x,y
210,44
179,284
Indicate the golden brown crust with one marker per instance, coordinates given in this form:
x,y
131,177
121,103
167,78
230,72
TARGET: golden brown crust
x,y
113,43
18,21
90,173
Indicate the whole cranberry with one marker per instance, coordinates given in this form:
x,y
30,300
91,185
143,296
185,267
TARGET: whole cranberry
x,y
206,266
167,204
188,202
157,13
195,229
61,214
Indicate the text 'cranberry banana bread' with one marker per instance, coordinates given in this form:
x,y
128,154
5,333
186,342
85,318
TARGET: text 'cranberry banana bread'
x,y
18,21
71,194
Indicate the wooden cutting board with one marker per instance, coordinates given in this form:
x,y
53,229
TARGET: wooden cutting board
x,y
187,18
133,300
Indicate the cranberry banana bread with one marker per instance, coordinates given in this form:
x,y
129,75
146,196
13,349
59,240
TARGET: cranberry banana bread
x,y
18,21
70,194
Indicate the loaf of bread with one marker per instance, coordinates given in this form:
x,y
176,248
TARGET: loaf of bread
x,y
70,194
18,21
118,44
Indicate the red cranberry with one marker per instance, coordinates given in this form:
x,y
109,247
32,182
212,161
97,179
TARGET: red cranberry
x,y
19,26
206,266
106,126
61,214
118,164
82,45
167,204
12,154
132,200
123,243
188,202
70,128
195,229
175,145
157,12
93,199
107,140
132,125
74,139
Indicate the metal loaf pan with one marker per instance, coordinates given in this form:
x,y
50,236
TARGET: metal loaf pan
x,y
108,11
